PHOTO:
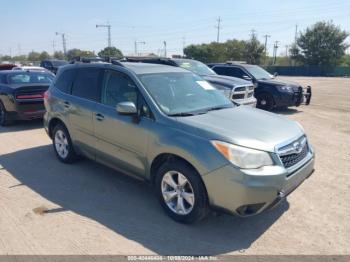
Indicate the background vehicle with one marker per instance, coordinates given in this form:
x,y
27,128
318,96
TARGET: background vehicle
x,y
238,90
32,68
7,66
53,65
22,95
269,92
169,126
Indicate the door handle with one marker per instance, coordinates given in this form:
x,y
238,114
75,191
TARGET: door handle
x,y
100,117
66,104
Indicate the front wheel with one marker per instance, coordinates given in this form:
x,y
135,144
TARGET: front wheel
x,y
62,144
265,101
181,192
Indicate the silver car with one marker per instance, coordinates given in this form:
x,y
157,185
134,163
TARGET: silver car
x,y
173,129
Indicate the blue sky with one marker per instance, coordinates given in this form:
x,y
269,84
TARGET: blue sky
x,y
31,24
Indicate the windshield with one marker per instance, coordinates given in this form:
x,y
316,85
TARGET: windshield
x,y
29,78
196,67
59,63
183,93
258,72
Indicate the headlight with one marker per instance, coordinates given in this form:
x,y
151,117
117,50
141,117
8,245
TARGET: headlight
x,y
243,157
227,93
286,89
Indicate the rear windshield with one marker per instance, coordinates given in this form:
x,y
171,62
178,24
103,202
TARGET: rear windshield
x,y
29,78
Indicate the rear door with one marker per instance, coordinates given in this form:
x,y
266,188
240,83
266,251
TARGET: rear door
x,y
85,92
122,139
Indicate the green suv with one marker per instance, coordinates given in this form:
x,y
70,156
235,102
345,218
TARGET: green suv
x,y
173,129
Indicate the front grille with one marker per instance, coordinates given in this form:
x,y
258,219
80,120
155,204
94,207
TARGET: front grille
x,y
293,159
240,89
237,96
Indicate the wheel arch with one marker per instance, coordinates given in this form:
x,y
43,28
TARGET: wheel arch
x,y
53,122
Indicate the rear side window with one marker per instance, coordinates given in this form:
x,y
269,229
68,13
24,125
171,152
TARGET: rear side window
x,y
65,80
87,84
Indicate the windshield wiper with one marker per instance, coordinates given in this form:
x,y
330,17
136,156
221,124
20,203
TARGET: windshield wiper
x,y
182,114
217,108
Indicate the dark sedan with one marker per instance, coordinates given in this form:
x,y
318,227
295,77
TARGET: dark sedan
x,y
22,95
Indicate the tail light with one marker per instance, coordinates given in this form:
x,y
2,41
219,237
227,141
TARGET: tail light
x,y
30,96
46,95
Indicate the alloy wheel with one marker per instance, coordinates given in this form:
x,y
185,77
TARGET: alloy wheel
x,y
178,193
61,144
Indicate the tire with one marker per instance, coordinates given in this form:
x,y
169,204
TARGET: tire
x,y
5,119
191,193
62,144
265,101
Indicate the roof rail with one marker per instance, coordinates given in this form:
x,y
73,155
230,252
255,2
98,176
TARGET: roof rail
x,y
151,60
235,62
97,59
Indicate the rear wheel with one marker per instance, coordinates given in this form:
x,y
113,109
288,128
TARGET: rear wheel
x,y
5,118
181,192
63,145
265,101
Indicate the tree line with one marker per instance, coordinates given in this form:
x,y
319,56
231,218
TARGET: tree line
x,y
39,56
322,44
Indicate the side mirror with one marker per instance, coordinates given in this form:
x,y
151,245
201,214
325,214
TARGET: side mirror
x,y
126,108
275,74
245,77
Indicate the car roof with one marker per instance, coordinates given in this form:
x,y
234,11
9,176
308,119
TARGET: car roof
x,y
7,72
137,68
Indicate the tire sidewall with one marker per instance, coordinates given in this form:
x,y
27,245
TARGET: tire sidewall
x,y
4,121
71,154
200,208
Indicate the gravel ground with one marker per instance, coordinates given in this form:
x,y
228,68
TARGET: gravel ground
x,y
47,207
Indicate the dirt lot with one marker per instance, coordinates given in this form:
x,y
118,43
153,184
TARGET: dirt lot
x,y
47,207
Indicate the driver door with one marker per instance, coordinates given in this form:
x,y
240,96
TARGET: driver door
x,y
121,139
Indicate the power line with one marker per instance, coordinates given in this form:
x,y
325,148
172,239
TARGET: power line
x,y
218,27
108,26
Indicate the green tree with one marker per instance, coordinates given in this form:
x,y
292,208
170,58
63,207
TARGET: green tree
x,y
19,58
322,44
254,51
234,50
77,52
6,58
346,60
44,55
111,51
33,56
58,55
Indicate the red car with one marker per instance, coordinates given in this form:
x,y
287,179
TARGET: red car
x,y
7,66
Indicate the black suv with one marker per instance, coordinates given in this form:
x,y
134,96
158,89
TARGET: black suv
x,y
53,65
269,92
238,90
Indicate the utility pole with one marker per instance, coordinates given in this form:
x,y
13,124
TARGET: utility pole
x,y
275,47
183,46
109,39
135,46
218,27
164,43
63,42
287,46
266,36
53,46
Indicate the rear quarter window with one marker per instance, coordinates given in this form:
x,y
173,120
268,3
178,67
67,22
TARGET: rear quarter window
x,y
65,80
87,83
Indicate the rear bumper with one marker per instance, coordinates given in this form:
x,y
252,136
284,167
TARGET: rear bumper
x,y
28,110
250,192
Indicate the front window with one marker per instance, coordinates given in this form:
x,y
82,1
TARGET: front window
x,y
183,93
258,72
30,78
196,67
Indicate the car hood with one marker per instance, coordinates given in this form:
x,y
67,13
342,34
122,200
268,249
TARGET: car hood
x,y
244,126
279,82
226,80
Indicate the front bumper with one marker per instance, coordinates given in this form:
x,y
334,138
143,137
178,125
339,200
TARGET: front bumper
x,y
250,192
247,102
